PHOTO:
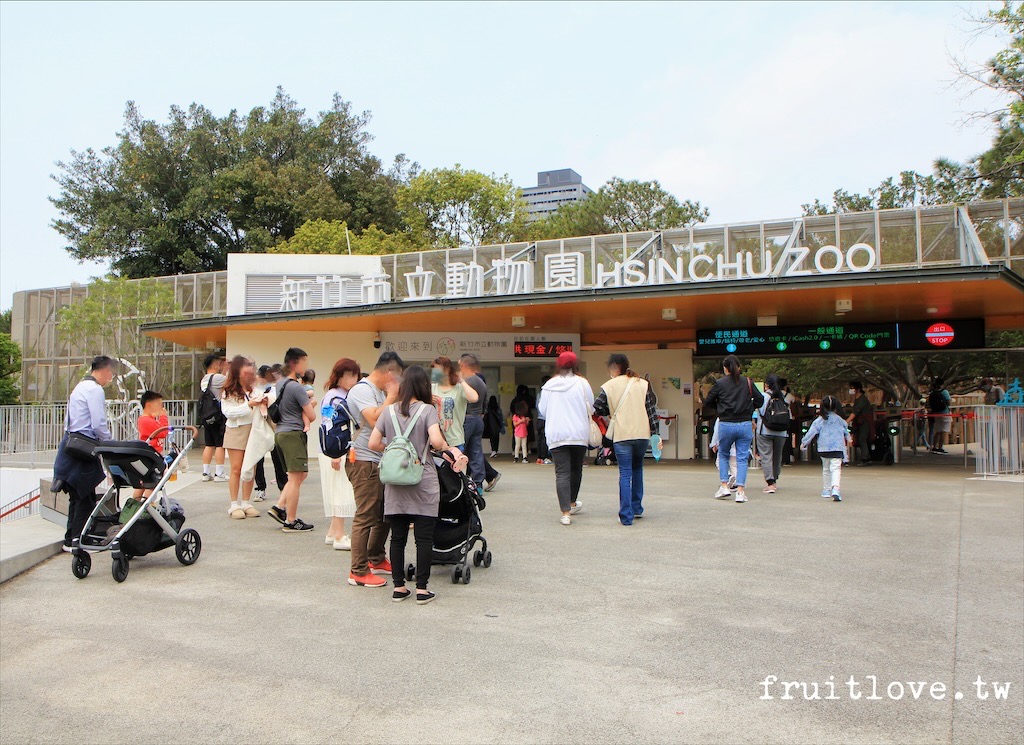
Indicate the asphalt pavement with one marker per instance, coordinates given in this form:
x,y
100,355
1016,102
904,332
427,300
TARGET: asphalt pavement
x,y
665,631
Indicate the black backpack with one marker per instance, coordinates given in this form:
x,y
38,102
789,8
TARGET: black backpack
x,y
208,408
937,402
274,410
777,416
336,431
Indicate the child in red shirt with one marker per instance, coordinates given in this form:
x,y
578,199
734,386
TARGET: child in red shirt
x,y
521,430
153,418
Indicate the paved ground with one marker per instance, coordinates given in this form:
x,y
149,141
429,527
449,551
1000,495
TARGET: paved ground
x,y
595,633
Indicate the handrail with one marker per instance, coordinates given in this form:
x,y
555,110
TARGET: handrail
x,y
32,497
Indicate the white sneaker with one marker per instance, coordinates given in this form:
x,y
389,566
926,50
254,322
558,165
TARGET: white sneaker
x,y
345,544
565,520
220,478
723,493
741,497
547,461
259,495
826,494
494,453
732,483
576,508
207,477
329,540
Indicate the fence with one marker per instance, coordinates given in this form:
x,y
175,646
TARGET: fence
x,y
29,435
999,436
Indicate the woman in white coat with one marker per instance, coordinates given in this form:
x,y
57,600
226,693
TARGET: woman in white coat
x,y
566,406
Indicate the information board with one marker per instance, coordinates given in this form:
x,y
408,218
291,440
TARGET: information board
x,y
842,338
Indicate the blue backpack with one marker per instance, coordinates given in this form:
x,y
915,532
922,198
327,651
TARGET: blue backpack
x,y
336,428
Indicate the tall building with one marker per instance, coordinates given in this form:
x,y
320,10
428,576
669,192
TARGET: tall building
x,y
553,189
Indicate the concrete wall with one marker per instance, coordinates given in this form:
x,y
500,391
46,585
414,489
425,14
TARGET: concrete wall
x,y
661,364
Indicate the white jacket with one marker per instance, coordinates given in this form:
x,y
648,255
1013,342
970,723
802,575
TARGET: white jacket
x,y
566,405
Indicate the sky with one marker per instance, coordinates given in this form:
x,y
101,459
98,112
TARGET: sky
x,y
751,109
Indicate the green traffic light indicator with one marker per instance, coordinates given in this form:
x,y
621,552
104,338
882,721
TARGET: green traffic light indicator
x,y
870,343
781,346
824,344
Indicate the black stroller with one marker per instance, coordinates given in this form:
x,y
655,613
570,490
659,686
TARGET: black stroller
x,y
156,523
459,527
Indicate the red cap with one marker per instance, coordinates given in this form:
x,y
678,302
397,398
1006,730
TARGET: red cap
x,y
567,360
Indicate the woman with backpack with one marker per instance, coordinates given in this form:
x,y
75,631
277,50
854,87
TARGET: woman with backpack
x,y
405,432
772,431
567,405
735,398
339,499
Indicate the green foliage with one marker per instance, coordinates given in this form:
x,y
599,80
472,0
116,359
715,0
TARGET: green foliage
x,y
5,321
451,207
620,206
329,237
948,183
179,196
108,319
10,368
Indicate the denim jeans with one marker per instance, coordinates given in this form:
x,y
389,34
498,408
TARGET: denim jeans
x,y
741,435
489,472
630,455
474,431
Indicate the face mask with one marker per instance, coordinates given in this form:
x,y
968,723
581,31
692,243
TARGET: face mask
x,y
853,392
436,375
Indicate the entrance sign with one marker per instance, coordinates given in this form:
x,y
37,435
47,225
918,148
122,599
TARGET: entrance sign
x,y
865,338
562,272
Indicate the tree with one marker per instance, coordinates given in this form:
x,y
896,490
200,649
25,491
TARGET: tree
x,y
179,196
5,321
621,206
10,369
109,318
451,207
332,237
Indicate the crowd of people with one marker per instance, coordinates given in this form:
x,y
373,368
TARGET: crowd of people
x,y
249,413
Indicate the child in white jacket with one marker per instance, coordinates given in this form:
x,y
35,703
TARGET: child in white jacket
x,y
833,438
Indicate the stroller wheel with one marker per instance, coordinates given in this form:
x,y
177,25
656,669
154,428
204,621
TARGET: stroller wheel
x,y
81,564
467,573
456,574
188,546
478,558
487,559
119,569
410,573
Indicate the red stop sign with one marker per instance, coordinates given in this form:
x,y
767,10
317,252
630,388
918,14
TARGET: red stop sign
x,y
939,334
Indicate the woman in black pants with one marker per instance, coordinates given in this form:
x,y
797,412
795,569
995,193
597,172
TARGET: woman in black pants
x,y
414,417
567,404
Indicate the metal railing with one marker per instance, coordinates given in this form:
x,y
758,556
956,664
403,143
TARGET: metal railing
x,y
999,439
24,506
30,434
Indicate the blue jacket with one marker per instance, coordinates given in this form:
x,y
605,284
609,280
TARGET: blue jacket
x,y
832,434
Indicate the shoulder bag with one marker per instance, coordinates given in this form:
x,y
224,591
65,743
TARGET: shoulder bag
x,y
611,422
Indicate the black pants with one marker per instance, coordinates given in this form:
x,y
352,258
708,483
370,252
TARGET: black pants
x,y
280,474
79,509
424,547
261,477
568,473
542,443
495,439
863,432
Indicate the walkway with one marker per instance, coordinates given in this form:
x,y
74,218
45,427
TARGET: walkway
x,y
595,633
